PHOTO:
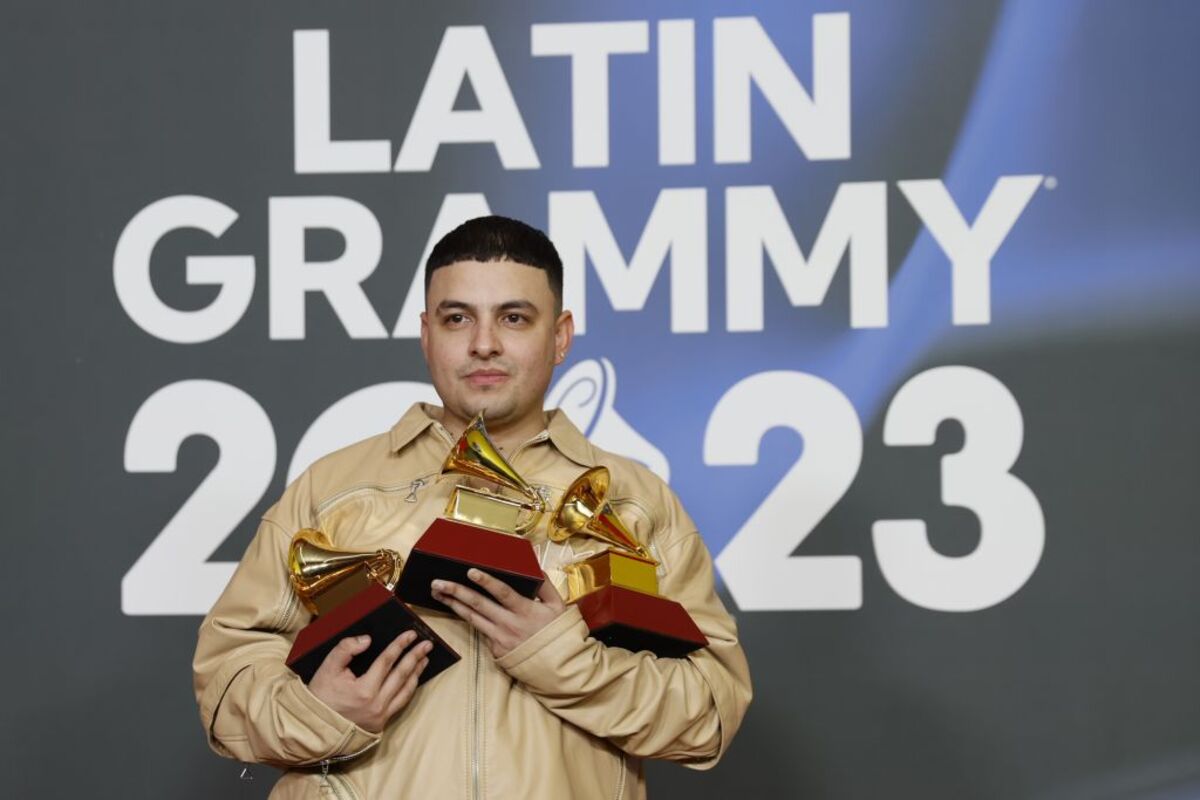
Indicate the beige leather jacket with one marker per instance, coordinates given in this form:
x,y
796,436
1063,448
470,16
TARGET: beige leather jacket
x,y
560,716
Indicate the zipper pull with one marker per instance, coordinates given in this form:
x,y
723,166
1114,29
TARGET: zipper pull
x,y
325,774
413,487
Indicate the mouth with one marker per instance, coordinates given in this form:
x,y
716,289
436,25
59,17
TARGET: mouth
x,y
483,378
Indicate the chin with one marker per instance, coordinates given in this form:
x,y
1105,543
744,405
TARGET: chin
x,y
494,414
492,408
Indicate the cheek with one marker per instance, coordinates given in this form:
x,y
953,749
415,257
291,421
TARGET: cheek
x,y
538,360
440,355
533,352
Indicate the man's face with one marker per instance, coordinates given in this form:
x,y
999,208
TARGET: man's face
x,y
491,339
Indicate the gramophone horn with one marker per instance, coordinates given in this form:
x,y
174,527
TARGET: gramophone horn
x,y
585,511
474,454
323,576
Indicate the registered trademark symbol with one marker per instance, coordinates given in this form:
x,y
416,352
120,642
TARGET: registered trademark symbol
x,y
1050,182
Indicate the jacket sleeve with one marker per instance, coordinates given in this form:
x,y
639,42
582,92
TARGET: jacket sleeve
x,y
253,707
681,709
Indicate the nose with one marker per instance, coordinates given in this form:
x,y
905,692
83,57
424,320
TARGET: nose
x,y
485,343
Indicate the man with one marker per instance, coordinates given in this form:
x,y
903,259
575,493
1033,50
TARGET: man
x,y
536,708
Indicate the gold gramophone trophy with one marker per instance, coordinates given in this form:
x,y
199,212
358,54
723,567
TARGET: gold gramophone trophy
x,y
352,594
480,528
616,591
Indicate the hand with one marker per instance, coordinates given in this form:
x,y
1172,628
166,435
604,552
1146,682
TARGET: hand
x,y
386,687
505,621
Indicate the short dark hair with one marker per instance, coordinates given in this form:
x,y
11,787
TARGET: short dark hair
x,y
497,238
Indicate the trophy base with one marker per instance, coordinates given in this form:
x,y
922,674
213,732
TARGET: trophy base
x,y
377,612
449,548
634,620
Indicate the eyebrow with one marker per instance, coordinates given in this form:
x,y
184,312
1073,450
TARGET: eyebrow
x,y
507,305
517,305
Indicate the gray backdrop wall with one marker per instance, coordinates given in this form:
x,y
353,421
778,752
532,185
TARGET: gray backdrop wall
x,y
902,298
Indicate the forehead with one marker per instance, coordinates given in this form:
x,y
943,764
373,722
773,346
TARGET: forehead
x,y
489,282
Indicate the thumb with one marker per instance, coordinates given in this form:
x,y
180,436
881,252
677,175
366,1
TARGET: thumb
x,y
341,655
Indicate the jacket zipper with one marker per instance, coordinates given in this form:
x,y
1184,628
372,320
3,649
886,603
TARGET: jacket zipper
x,y
337,759
411,486
340,783
293,605
475,721
476,710
337,783
621,779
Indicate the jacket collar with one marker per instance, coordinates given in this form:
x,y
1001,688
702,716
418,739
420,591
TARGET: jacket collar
x,y
568,439
412,424
562,433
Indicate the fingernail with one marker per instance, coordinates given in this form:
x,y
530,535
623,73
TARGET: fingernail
x,y
438,585
474,574
364,639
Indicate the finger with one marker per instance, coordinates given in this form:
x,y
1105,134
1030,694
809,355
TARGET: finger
x,y
501,591
470,615
344,651
396,679
548,594
387,659
481,604
407,690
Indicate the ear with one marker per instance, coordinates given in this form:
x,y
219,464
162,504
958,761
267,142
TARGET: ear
x,y
425,336
564,335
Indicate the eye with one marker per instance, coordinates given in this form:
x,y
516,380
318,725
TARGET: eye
x,y
514,318
455,320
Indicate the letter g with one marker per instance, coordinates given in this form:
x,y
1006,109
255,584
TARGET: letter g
x,y
131,271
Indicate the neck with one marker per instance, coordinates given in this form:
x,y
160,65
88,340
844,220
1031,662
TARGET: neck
x,y
506,436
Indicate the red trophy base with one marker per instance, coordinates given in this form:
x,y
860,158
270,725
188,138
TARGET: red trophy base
x,y
377,612
449,548
634,620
